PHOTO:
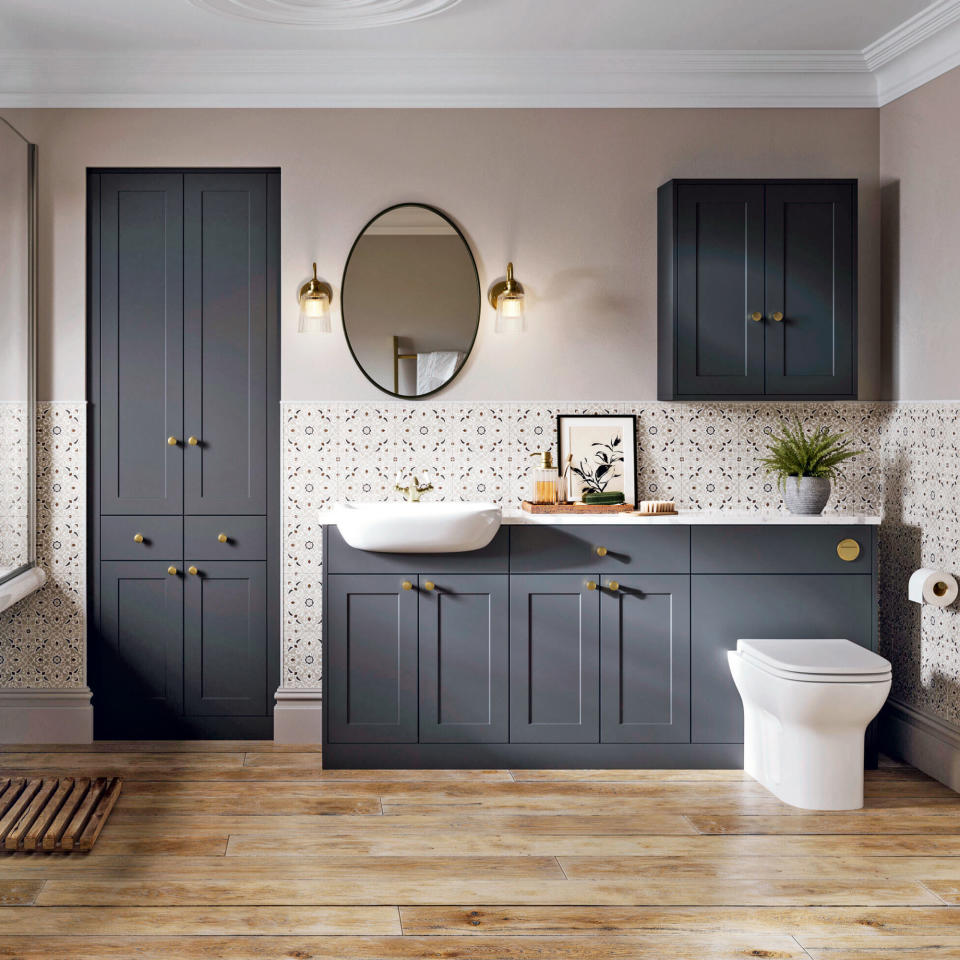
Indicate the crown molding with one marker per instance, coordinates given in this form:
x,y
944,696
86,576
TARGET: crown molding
x,y
328,14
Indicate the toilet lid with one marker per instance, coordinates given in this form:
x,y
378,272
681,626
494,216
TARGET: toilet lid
x,y
834,657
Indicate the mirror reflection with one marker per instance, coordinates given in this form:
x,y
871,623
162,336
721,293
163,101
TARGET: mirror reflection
x,y
410,300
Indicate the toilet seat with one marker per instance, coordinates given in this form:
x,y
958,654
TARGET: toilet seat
x,y
816,661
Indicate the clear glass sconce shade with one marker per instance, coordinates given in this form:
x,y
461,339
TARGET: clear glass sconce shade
x,y
315,313
510,312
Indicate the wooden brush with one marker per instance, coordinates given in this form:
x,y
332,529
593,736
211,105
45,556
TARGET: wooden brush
x,y
652,508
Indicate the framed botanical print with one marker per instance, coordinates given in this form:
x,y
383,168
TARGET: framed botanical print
x,y
598,454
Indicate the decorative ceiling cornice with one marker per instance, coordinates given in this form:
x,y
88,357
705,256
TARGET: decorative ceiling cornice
x,y
329,14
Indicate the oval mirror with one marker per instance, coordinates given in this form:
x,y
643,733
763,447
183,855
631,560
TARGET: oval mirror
x,y
410,300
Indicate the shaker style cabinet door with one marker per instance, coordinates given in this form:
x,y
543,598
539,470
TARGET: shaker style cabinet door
x,y
554,659
225,343
138,247
370,658
811,291
645,660
464,654
719,289
138,653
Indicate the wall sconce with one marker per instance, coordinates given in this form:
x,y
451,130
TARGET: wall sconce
x,y
506,297
315,296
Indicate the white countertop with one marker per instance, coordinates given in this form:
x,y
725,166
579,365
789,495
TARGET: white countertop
x,y
513,515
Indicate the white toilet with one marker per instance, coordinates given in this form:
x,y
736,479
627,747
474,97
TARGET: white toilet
x,y
806,706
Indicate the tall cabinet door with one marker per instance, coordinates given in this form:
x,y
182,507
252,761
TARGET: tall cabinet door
x,y
139,650
140,320
645,660
719,346
225,343
464,652
811,290
371,658
554,659
225,623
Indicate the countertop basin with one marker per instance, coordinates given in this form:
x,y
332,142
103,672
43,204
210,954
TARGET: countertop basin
x,y
418,527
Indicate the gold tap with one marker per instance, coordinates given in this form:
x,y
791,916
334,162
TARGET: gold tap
x,y
414,489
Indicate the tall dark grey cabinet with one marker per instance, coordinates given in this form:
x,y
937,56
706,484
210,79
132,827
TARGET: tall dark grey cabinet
x,y
184,456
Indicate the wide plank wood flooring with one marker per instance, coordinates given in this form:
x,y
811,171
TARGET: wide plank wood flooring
x,y
248,851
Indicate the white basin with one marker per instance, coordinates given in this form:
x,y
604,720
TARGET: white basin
x,y
418,527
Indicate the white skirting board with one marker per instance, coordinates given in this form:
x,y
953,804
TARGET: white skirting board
x,y
922,740
298,716
46,716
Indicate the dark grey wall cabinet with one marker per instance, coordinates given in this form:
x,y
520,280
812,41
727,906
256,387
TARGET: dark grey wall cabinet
x,y
184,390
464,652
541,652
757,289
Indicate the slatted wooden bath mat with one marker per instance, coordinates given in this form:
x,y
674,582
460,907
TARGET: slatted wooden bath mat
x,y
55,813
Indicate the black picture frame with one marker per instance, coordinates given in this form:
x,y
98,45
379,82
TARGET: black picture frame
x,y
630,445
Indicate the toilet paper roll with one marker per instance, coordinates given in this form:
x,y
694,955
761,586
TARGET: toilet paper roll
x,y
933,586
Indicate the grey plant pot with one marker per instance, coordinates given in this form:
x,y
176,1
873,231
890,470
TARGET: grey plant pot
x,y
807,495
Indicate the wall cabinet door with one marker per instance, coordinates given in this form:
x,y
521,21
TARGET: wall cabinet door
x,y
225,343
727,608
810,257
645,660
464,654
371,659
719,270
554,659
139,648
225,622
140,356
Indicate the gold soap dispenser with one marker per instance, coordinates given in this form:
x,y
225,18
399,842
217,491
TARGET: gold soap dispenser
x,y
544,481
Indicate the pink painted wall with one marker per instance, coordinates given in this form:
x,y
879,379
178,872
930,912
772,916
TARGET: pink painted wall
x,y
568,195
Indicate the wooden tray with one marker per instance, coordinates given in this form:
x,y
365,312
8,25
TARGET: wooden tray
x,y
578,507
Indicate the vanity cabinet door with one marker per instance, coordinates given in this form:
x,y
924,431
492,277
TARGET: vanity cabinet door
x,y
464,653
225,621
727,608
719,287
370,658
811,290
645,660
554,659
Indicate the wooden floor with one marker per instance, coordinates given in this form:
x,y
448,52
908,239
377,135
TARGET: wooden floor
x,y
246,851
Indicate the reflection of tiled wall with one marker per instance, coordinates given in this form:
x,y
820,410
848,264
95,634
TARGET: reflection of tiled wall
x,y
14,477
42,636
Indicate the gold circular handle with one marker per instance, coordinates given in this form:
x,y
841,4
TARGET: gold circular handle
x,y
601,551
591,584
193,441
407,585
193,571
756,317
848,550
429,585
613,585
172,571
171,441
138,538
222,537
778,317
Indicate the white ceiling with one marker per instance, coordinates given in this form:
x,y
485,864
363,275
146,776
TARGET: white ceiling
x,y
471,52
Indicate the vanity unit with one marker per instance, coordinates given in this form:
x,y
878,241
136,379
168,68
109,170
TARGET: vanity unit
x,y
572,643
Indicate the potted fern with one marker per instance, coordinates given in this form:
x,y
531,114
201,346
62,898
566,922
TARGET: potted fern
x,y
804,465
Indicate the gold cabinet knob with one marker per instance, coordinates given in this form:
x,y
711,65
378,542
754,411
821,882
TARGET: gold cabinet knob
x,y
591,584
601,551
429,585
613,585
138,538
193,571
756,317
407,585
171,441
222,537
193,441
848,550
172,571
777,317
